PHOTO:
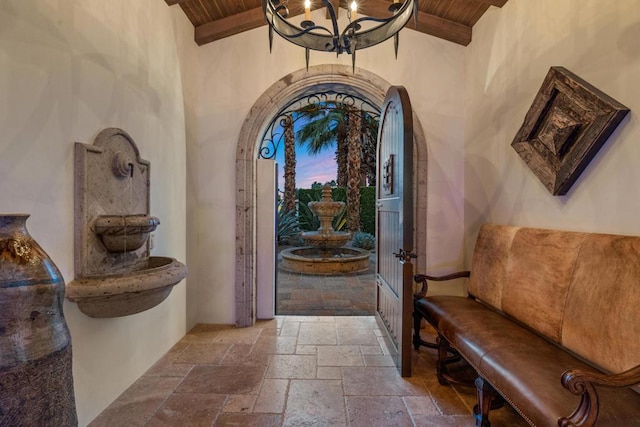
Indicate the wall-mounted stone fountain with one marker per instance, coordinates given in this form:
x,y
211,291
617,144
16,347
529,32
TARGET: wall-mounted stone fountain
x,y
326,253
115,274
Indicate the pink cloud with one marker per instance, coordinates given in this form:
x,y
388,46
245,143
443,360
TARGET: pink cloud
x,y
309,169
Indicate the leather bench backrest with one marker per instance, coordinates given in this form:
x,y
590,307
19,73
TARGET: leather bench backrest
x,y
580,290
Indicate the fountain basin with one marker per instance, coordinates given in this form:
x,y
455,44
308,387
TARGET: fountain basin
x,y
312,260
327,207
334,239
122,233
127,293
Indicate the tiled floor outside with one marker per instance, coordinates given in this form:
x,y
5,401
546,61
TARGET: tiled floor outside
x,y
323,295
293,371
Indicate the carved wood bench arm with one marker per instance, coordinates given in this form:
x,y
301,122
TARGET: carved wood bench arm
x,y
583,383
423,278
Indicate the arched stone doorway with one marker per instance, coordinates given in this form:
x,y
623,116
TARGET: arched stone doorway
x,y
281,93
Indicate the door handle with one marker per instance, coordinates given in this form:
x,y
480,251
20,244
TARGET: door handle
x,y
404,256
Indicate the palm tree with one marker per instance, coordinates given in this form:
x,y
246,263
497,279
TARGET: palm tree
x,y
369,147
355,133
326,126
354,157
289,197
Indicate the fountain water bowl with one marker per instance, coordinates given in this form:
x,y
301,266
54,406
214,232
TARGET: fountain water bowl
x,y
325,253
129,292
122,233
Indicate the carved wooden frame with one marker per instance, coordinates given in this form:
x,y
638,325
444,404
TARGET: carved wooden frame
x,y
567,123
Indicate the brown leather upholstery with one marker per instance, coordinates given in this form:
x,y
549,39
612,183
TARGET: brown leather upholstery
x,y
550,301
571,287
521,365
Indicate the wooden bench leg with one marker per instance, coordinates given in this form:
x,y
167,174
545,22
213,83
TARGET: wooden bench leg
x,y
417,341
485,396
443,354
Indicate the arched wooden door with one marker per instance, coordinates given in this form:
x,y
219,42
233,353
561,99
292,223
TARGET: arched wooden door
x,y
394,271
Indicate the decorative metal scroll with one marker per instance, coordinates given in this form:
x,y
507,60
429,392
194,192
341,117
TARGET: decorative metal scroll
x,y
300,108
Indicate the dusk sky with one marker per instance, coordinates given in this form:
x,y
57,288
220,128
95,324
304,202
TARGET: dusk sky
x,y
321,168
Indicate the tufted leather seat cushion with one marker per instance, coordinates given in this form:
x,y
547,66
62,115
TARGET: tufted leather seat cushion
x,y
523,367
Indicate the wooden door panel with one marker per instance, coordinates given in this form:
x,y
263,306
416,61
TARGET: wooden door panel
x,y
395,225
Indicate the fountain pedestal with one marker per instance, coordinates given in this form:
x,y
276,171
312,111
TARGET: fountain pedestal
x,y
326,253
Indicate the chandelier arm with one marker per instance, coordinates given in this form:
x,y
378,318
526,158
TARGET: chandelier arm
x,y
312,28
296,35
387,29
332,14
312,38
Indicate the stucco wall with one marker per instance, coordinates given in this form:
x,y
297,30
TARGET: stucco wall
x,y
234,72
510,55
67,70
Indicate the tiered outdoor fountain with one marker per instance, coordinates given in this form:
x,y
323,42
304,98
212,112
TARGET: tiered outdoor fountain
x,y
326,253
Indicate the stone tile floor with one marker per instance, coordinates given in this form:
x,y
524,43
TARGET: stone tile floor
x,y
293,371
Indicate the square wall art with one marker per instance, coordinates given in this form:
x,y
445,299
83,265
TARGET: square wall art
x,y
564,128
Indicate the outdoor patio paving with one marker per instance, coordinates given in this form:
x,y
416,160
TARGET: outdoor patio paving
x,y
326,295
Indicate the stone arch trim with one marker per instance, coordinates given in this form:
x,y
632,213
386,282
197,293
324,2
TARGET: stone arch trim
x,y
370,86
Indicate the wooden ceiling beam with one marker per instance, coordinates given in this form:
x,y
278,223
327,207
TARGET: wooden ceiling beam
x,y
442,28
172,2
229,26
377,8
497,3
427,23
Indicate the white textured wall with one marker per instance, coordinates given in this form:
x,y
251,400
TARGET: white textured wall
x,y
510,55
189,69
235,71
67,70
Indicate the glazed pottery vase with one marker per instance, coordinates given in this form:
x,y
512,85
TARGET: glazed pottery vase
x,y
36,382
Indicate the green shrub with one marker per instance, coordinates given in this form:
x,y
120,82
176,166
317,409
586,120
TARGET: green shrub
x,y
368,209
364,240
287,225
306,219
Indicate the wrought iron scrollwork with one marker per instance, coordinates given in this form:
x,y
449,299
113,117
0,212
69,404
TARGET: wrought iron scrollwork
x,y
300,108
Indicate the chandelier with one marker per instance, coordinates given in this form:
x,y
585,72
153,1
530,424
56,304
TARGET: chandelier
x,y
359,34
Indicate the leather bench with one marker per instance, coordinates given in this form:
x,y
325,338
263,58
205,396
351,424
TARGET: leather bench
x,y
551,324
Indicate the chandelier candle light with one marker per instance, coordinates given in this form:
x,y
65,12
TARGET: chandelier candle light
x,y
355,36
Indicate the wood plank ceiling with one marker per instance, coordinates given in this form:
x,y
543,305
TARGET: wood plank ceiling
x,y
450,20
